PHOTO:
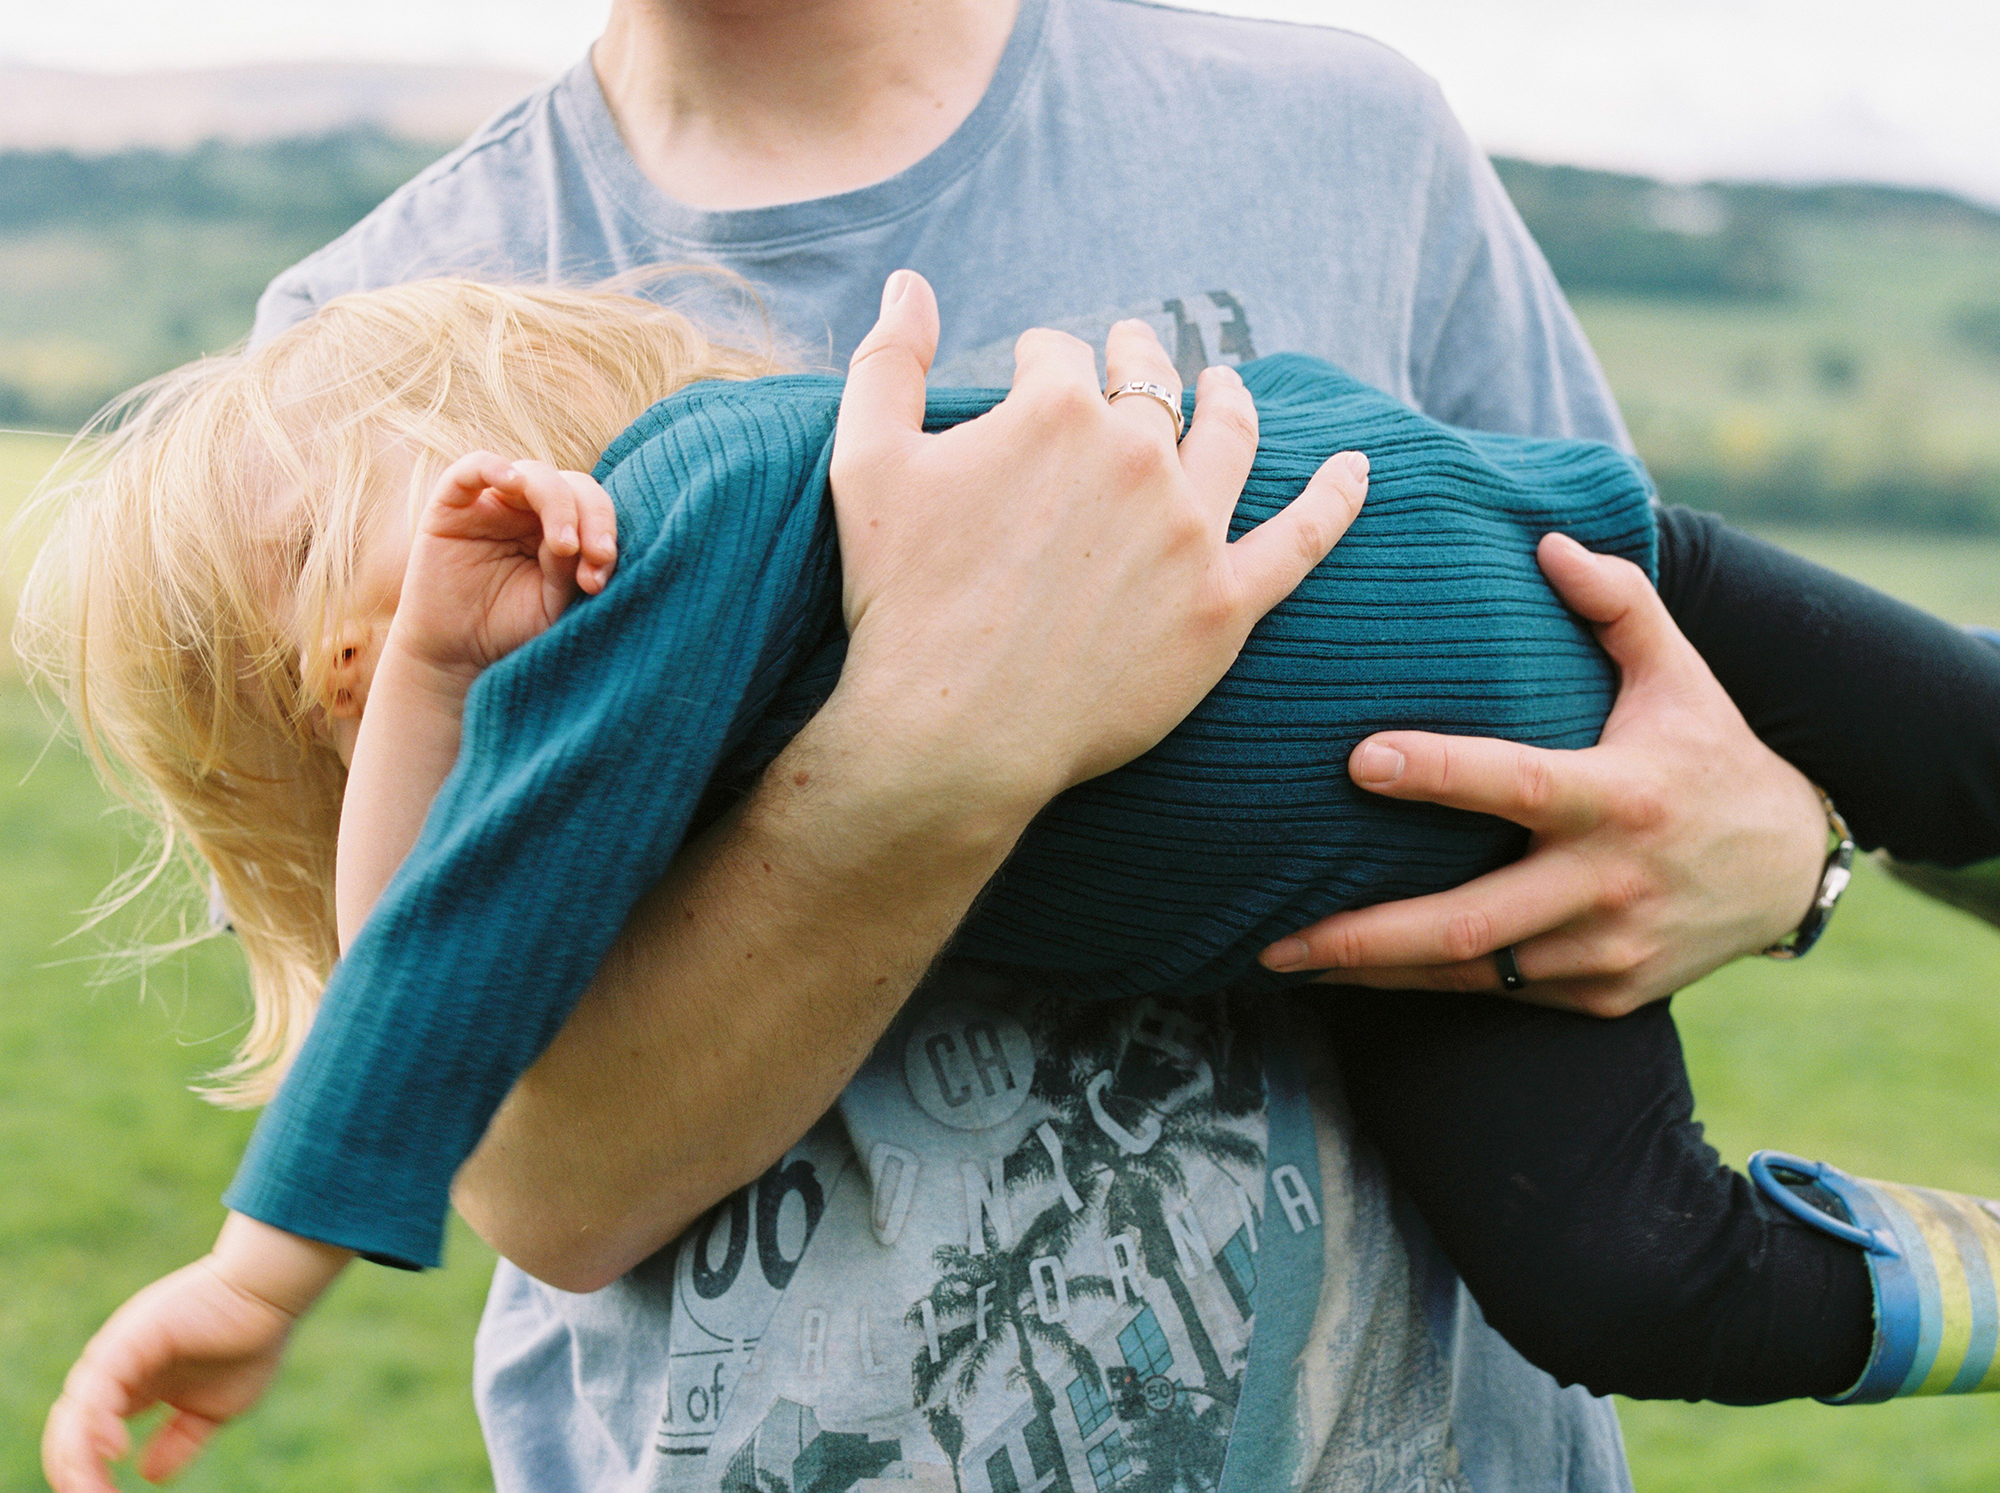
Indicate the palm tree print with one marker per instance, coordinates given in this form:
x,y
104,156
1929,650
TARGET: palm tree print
x,y
1128,1189
1004,1277
1181,1094
1178,1451
948,1431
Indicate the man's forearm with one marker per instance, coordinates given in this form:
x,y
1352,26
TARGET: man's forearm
x,y
742,995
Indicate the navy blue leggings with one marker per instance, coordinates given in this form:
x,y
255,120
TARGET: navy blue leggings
x,y
1556,1157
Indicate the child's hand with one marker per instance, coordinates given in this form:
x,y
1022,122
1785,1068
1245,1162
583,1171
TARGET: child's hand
x,y
204,1341
498,551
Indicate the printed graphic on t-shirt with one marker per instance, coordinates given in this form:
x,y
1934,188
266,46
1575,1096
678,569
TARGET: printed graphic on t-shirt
x,y
1035,1268
1197,328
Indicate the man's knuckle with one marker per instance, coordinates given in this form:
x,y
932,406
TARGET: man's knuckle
x,y
1444,766
1468,934
1644,808
1234,418
1624,889
873,349
1621,956
1311,538
1186,532
1066,402
1534,780
1343,948
1137,455
1045,342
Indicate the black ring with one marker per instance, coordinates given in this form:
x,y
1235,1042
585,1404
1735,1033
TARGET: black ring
x,y
1510,972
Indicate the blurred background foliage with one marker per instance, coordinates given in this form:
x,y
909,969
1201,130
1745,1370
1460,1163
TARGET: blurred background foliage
x,y
117,267
1821,355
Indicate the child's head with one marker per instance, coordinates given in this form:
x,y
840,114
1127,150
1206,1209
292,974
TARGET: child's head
x,y
210,533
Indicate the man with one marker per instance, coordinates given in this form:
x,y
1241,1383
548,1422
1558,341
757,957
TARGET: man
x,y
1031,1246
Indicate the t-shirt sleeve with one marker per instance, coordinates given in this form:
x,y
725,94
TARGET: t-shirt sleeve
x,y
583,757
1494,345
286,301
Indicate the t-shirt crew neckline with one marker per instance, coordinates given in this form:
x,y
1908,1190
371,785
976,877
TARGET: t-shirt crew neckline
x,y
580,103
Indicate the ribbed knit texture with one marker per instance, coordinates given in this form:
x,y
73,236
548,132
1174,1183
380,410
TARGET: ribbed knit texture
x,y
587,755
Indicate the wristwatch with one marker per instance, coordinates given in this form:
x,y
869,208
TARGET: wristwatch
x,y
1833,879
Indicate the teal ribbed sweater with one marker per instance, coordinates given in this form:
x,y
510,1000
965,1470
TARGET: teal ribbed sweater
x,y
589,754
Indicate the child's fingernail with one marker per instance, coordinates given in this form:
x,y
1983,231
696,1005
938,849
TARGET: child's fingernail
x,y
569,536
1374,763
896,287
1357,465
509,474
1285,954
1222,373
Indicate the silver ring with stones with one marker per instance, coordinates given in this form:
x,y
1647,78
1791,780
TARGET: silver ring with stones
x,y
1152,391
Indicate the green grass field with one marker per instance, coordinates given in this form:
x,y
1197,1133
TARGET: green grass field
x,y
1880,1052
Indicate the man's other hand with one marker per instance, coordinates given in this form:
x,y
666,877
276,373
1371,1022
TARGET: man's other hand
x,y
1678,843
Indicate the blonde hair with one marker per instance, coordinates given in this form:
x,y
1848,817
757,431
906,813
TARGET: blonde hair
x,y
169,606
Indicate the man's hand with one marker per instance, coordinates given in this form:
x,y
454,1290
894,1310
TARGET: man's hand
x,y
1051,586
1678,843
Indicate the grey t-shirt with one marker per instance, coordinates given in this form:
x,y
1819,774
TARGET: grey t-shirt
x,y
1029,1248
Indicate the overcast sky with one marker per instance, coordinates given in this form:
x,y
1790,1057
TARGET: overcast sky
x,y
1684,88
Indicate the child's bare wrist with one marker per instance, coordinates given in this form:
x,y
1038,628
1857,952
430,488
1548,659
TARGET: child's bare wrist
x,y
285,1271
435,675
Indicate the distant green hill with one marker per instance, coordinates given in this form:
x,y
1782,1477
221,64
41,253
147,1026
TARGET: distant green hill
x,y
1604,231
1819,354
1790,354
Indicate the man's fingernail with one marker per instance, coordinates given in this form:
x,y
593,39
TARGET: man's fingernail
x,y
1286,954
1357,464
1374,763
897,286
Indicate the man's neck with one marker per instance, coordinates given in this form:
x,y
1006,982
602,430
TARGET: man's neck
x,y
746,103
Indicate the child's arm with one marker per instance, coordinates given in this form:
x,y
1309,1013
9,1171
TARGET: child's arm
x,y
498,551
1895,713
1558,1162
204,1341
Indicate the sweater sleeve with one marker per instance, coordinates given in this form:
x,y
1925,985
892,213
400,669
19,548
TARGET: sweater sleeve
x,y
1894,712
583,758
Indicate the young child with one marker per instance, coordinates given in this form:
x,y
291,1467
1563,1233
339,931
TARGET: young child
x,y
242,576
